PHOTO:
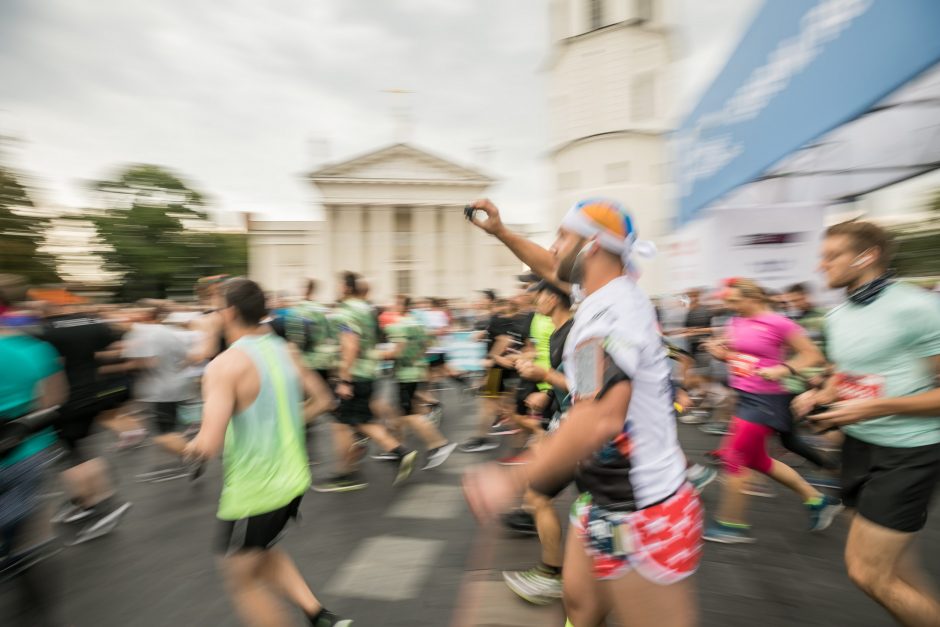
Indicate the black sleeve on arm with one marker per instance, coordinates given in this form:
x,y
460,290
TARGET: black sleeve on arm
x,y
612,376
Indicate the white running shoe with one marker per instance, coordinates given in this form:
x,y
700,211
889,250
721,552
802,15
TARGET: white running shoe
x,y
103,526
439,456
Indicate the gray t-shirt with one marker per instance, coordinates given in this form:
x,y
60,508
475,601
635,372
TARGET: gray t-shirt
x,y
165,380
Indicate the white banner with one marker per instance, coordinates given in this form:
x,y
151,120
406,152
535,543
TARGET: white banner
x,y
776,246
686,254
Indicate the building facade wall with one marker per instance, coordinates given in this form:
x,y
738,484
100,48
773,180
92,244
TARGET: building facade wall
x,y
608,96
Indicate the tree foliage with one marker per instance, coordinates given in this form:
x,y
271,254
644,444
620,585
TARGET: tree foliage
x,y
153,227
918,252
22,231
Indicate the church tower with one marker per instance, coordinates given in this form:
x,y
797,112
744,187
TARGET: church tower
x,y
608,95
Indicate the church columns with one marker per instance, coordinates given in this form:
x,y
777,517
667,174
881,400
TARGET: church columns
x,y
424,223
380,236
348,239
457,259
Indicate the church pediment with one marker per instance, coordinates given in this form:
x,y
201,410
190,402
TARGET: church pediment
x,y
399,163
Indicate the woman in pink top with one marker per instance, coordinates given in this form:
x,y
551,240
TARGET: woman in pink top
x,y
755,348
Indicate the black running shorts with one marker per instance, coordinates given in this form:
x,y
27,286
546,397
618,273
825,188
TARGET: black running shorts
x,y
356,410
163,415
406,395
889,486
74,424
522,393
256,532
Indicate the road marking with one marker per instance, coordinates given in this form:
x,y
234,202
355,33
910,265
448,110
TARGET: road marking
x,y
386,568
428,501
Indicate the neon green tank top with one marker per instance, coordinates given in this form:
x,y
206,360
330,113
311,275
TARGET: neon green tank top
x,y
540,331
265,457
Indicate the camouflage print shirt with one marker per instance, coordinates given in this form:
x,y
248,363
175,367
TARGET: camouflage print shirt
x,y
357,317
412,339
309,328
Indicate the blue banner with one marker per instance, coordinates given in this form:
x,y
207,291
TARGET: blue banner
x,y
803,68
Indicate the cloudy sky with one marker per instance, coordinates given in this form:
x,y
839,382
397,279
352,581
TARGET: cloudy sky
x,y
242,96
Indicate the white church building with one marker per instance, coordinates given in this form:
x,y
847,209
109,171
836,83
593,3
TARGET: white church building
x,y
394,215
609,91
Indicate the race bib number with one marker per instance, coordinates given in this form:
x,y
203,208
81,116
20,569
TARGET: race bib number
x,y
742,366
588,368
859,386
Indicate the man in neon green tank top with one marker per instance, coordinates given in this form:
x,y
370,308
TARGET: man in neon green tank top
x,y
532,399
254,415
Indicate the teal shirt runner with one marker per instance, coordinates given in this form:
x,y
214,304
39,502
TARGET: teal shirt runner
x,y
883,349
264,460
24,363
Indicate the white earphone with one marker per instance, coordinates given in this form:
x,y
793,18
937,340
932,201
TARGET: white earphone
x,y
861,261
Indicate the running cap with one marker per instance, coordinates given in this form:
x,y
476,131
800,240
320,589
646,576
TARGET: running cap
x,y
610,224
545,286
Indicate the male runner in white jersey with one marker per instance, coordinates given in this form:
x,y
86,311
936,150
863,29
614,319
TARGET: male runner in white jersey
x,y
253,392
637,526
884,343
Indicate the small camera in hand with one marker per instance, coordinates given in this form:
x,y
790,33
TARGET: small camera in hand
x,y
469,211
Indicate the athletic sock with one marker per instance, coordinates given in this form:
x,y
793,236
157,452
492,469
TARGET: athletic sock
x,y
814,501
553,571
323,618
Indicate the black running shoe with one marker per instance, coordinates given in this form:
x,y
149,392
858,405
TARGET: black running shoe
x,y
340,484
103,526
520,521
327,618
478,445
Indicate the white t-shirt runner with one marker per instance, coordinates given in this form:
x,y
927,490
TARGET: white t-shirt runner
x,y
644,464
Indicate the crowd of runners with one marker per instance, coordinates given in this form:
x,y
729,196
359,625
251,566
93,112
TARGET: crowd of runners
x,y
579,370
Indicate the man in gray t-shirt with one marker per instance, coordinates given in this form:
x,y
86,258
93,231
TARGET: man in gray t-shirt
x,y
158,354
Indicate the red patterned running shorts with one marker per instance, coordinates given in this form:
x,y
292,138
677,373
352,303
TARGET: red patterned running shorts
x,y
663,543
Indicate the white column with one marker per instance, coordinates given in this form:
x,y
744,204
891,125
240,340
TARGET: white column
x,y
383,287
318,257
425,245
457,261
347,253
484,271
261,261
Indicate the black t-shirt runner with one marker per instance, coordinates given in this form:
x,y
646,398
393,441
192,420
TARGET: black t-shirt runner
x,y
556,355
556,344
698,318
77,337
498,325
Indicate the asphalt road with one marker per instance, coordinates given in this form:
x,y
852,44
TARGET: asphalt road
x,y
390,556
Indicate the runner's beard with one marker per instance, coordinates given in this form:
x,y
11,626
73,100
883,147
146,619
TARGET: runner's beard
x,y
571,267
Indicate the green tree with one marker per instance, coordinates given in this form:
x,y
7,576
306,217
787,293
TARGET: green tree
x,y
22,231
918,252
152,225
